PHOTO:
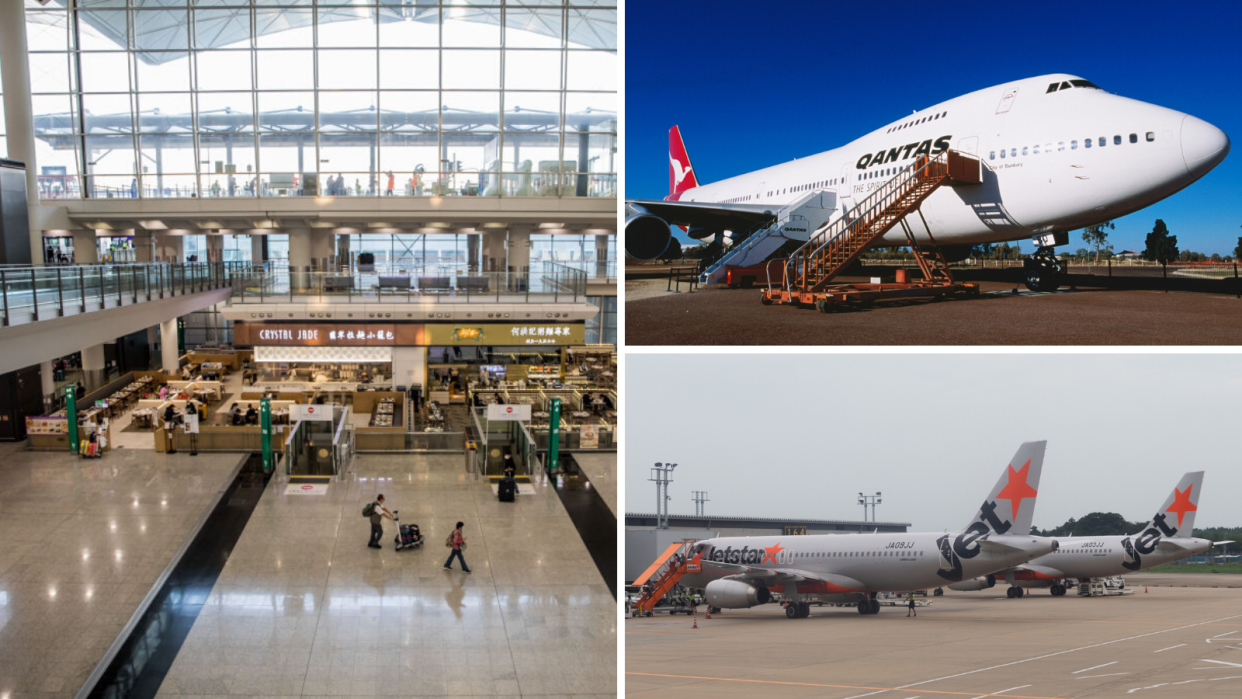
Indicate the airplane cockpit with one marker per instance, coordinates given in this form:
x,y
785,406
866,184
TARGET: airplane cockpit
x,y
1071,84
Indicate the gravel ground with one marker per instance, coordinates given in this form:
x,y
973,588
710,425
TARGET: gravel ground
x,y
1082,317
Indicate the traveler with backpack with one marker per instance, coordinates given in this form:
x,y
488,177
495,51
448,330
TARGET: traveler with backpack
x,y
457,542
377,512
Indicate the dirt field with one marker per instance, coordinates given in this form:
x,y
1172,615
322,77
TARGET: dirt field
x,y
1083,317
1166,642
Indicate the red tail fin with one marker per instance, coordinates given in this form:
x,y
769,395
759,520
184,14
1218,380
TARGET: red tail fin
x,y
680,173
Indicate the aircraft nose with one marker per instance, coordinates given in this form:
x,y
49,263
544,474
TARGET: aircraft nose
x,y
1203,145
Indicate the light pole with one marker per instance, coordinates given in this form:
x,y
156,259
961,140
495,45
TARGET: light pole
x,y
660,475
699,497
871,500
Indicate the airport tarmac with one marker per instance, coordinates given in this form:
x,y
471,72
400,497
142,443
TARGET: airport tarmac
x,y
1166,642
718,316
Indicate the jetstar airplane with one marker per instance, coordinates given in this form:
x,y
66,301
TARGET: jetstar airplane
x,y
1058,152
1165,539
741,572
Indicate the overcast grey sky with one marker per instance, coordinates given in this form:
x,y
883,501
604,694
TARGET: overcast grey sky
x,y
796,435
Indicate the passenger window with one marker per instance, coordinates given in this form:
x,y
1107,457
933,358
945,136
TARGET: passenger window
x,y
1024,149
1036,149
1103,141
1060,145
1086,143
1047,147
1116,140
1133,138
992,155
1073,145
1002,154
1013,153
1151,136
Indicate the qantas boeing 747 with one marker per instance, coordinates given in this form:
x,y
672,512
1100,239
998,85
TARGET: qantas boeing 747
x,y
741,572
1058,153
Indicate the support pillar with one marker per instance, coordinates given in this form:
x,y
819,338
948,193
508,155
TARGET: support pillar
x,y
473,243
215,248
19,112
299,259
85,247
169,354
493,250
601,257
49,387
518,262
93,373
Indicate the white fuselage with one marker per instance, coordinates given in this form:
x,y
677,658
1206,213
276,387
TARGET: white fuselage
x,y
880,562
1039,174
1104,556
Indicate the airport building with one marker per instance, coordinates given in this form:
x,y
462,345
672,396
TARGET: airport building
x,y
279,256
645,541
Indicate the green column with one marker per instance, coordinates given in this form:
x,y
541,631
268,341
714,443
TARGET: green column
x,y
180,337
265,429
71,410
554,435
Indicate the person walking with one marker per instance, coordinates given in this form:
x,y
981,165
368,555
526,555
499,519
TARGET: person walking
x,y
390,182
457,542
378,513
910,602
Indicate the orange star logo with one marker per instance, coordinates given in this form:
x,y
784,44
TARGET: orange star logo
x,y
1017,488
1182,504
771,553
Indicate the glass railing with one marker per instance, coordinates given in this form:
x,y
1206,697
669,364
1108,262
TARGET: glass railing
x,y
427,284
595,270
30,293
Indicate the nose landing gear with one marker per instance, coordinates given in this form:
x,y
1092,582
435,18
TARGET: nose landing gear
x,y
1043,271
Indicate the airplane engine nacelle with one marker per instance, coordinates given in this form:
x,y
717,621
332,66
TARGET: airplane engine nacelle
x,y
975,584
646,236
732,594
700,233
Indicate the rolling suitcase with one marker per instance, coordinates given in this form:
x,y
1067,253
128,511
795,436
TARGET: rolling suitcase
x,y
507,489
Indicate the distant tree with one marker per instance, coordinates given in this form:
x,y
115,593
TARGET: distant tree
x,y
1237,252
1096,524
1097,235
1216,257
1161,247
1082,253
673,251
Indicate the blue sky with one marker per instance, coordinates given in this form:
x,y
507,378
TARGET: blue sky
x,y
755,84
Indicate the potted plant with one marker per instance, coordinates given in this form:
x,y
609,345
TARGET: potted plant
x,y
366,262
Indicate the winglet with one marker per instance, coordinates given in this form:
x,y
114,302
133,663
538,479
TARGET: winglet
x,y
1010,507
680,172
1176,517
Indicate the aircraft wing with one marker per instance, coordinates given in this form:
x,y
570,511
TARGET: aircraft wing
x,y
706,214
781,576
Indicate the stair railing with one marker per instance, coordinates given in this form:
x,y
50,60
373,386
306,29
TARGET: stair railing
x,y
885,195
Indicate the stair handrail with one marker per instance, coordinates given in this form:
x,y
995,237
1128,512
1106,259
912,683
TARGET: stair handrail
x,y
782,214
867,206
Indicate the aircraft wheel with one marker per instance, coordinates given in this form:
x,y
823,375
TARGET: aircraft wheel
x,y
1121,585
864,607
805,608
793,611
763,298
939,591
713,610
875,606
1011,592
1019,592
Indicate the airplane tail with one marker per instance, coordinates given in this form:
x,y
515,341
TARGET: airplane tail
x,y
1176,517
680,173
1010,507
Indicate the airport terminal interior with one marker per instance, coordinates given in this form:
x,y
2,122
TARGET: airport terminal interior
x,y
263,261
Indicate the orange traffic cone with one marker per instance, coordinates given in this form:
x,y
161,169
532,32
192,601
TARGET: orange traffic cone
x,y
1144,589
696,622
709,613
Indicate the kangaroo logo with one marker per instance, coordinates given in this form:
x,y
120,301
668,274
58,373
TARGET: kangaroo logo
x,y
678,173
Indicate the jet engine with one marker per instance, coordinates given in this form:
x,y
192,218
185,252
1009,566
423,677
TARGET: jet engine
x,y
646,236
974,584
734,594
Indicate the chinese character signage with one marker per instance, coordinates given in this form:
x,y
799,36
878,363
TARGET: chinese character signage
x,y
507,335
328,334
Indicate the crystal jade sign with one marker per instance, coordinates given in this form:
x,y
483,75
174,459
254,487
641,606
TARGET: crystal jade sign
x,y
328,334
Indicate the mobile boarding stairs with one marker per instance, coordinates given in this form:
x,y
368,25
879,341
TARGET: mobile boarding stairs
x,y
662,576
792,222
805,277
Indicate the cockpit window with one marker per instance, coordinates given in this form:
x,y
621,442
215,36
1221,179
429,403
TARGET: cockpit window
x,y
1053,87
1065,86
1085,83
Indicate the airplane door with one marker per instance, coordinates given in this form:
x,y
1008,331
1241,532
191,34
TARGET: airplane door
x,y
762,192
969,145
1007,99
843,187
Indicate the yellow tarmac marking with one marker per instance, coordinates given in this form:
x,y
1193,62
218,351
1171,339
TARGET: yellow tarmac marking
x,y
837,686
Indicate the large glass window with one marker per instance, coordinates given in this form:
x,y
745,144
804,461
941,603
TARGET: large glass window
x,y
296,98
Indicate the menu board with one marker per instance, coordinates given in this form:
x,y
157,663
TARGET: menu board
x,y
588,437
47,425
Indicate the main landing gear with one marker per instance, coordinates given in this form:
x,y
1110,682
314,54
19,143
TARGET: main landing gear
x,y
1058,590
869,606
1015,593
797,610
1043,270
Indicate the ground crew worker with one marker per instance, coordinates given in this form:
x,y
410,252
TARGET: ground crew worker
x,y
910,601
